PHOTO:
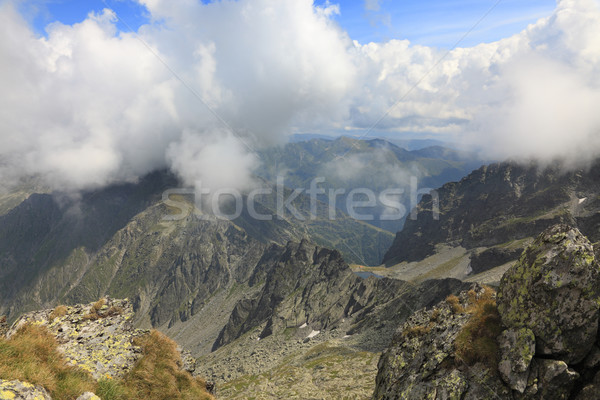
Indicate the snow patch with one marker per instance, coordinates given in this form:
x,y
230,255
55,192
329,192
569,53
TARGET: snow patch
x,y
304,325
313,334
582,200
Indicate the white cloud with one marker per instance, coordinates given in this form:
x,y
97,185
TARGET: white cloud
x,y
89,105
372,5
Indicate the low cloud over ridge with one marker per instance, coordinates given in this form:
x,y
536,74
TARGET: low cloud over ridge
x,y
89,105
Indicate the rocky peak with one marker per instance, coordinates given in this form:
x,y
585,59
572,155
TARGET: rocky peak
x,y
541,340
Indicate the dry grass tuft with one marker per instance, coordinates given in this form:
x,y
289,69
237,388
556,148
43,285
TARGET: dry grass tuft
x,y
454,302
96,314
476,342
157,374
31,355
98,305
59,311
417,331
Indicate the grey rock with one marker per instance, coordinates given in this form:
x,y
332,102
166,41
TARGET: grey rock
x,y
556,379
188,363
420,363
554,291
593,358
17,390
517,348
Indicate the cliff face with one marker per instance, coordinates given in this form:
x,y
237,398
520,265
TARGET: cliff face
x,y
536,339
308,285
500,203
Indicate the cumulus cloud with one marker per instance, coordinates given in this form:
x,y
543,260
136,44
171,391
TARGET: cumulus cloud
x,y
531,95
89,105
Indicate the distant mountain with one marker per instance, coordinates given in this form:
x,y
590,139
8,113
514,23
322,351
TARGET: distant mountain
x,y
408,144
376,165
303,137
308,306
60,248
493,213
417,144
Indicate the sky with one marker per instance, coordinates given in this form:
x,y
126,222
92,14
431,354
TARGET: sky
x,y
101,92
438,23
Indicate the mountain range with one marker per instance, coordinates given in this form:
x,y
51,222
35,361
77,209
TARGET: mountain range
x,y
276,303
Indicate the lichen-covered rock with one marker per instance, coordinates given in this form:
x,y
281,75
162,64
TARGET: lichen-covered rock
x,y
517,348
97,337
555,379
548,349
188,363
17,390
554,290
420,363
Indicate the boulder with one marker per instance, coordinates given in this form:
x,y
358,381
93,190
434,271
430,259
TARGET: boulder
x,y
554,290
18,390
517,348
555,379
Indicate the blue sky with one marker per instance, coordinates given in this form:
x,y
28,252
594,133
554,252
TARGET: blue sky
x,y
440,23
427,22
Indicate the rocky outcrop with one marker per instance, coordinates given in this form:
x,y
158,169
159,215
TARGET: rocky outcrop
x,y
422,363
554,290
96,337
95,347
312,286
17,390
545,347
